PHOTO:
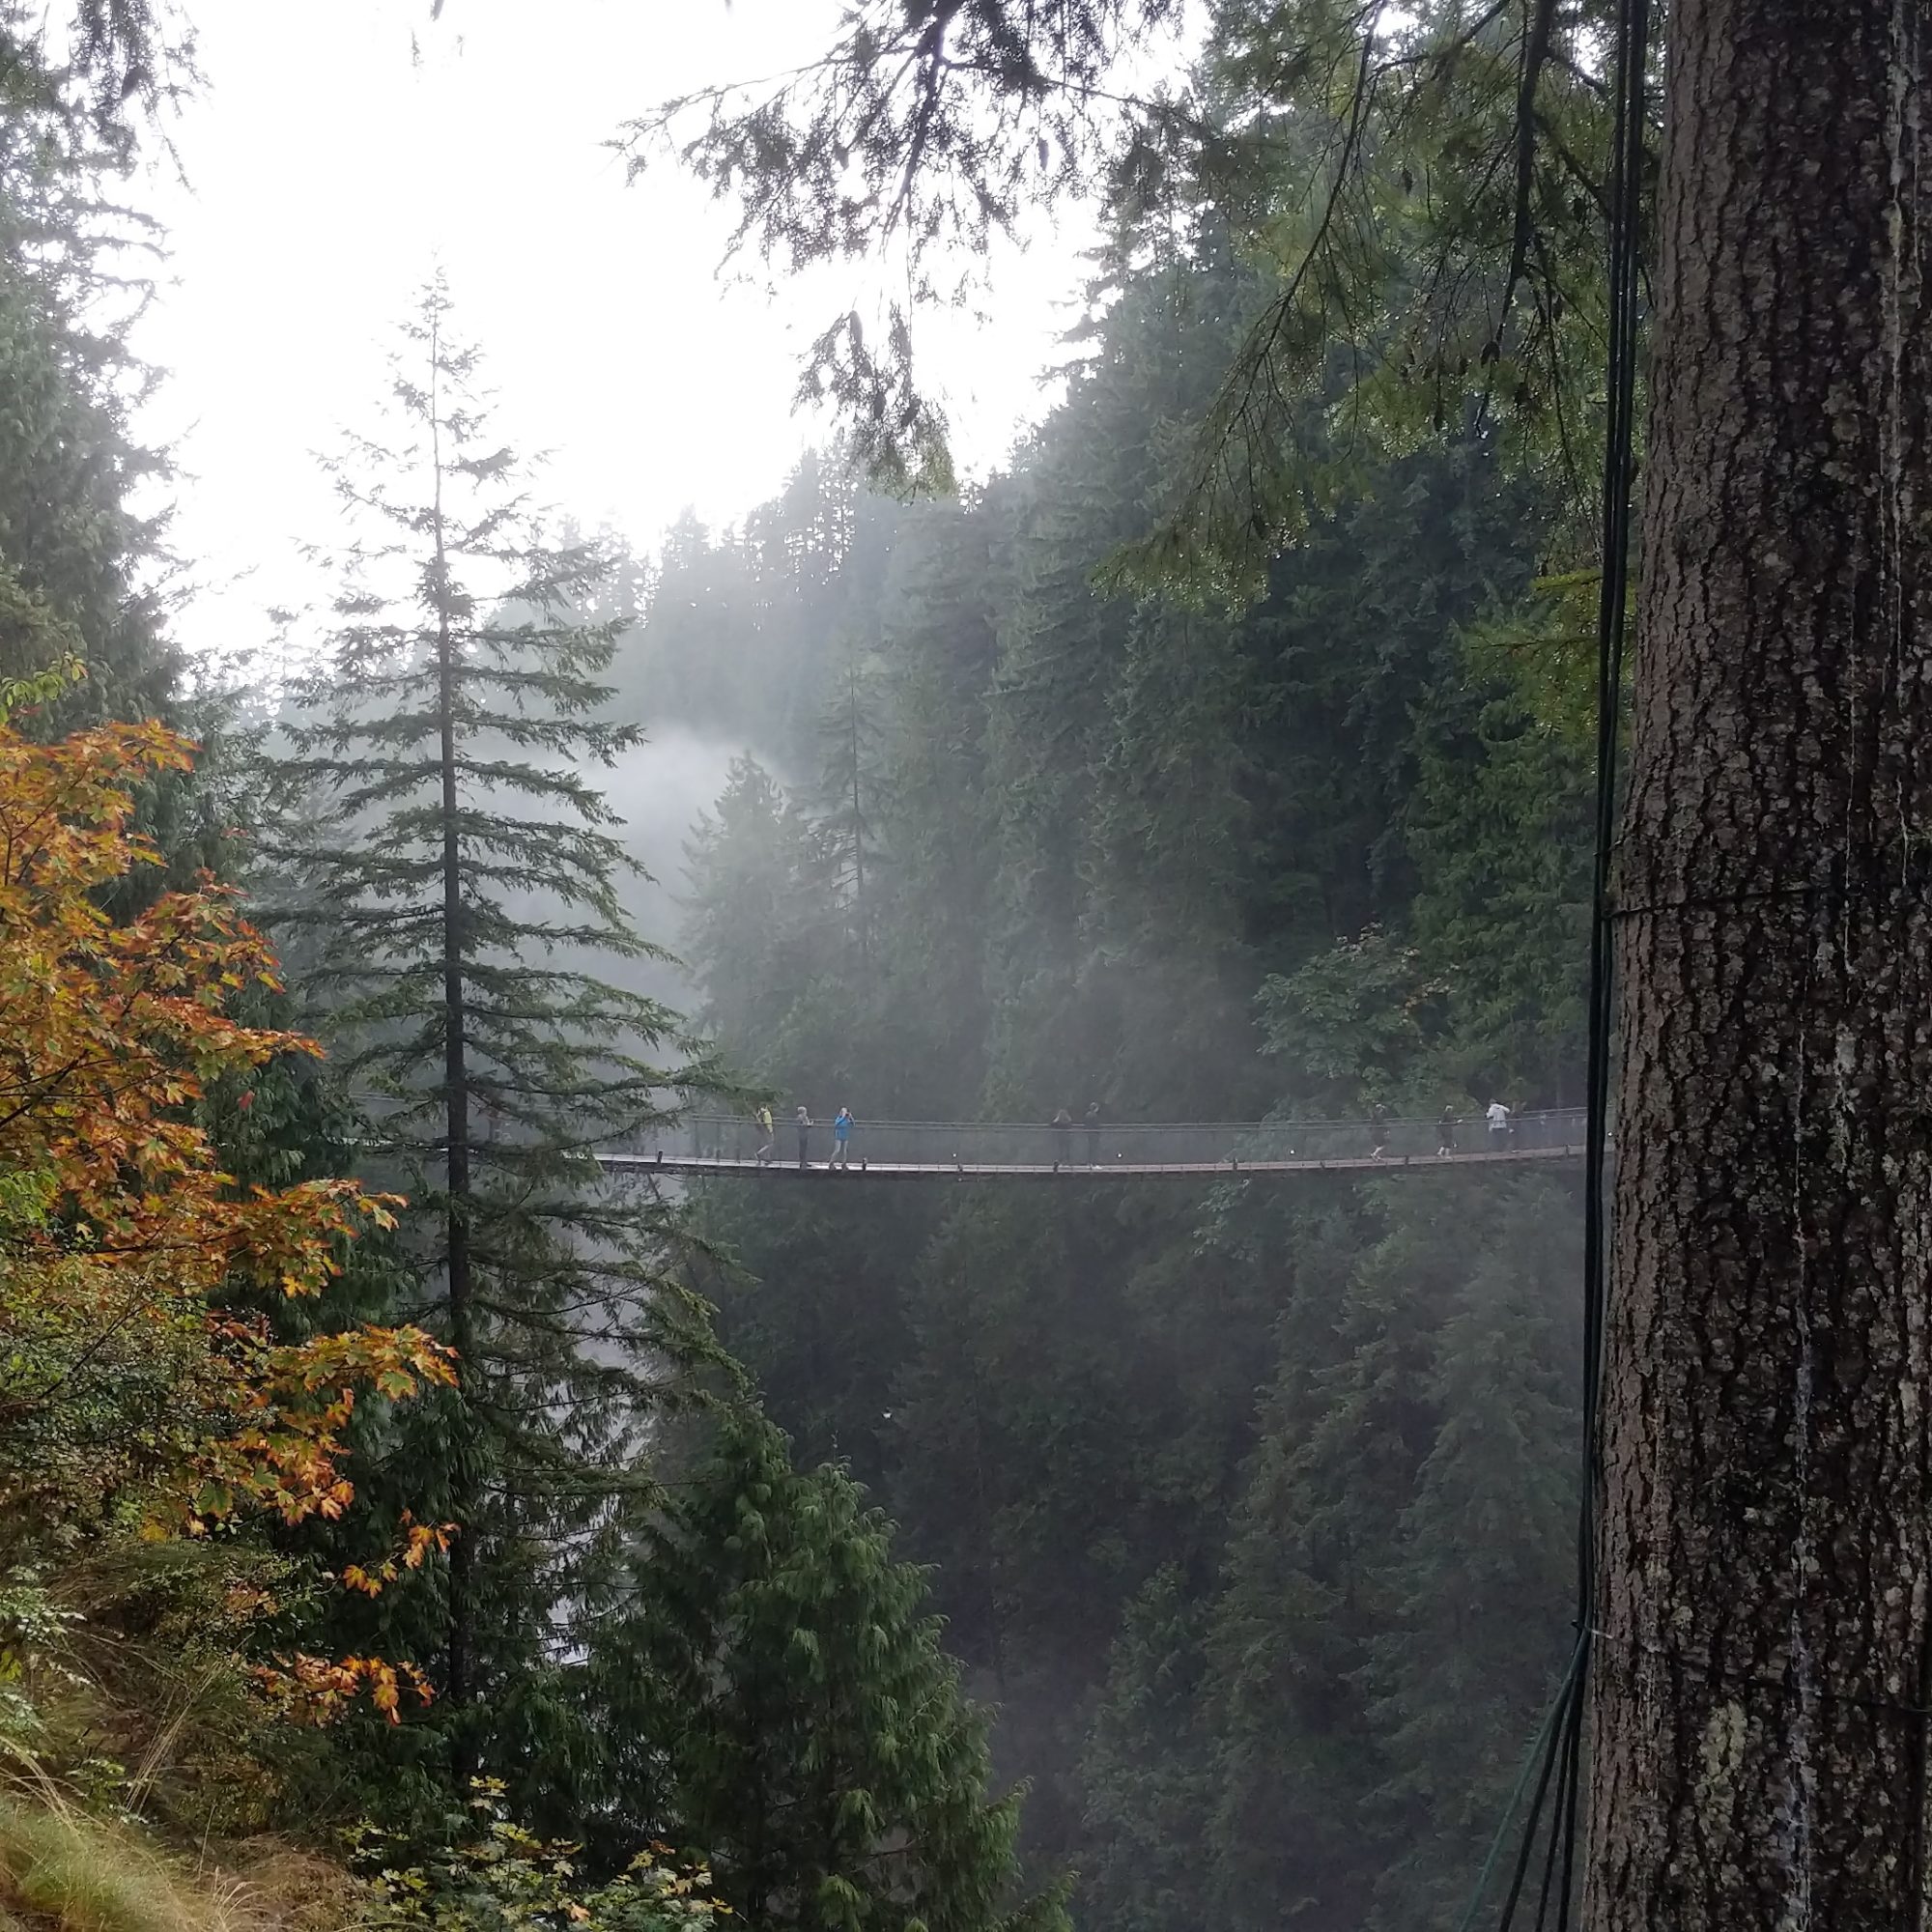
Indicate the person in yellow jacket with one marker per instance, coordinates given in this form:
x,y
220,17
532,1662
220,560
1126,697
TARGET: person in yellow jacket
x,y
768,1135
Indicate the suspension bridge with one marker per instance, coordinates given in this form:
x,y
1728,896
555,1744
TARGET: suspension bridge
x,y
727,1145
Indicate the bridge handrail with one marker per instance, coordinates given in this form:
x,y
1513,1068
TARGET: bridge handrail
x,y
1469,1119
1040,1143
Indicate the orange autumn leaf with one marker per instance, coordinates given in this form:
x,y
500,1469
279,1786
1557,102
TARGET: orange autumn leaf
x,y
314,1691
121,1234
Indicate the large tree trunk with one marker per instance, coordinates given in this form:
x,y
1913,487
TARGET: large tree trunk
x,y
1762,1648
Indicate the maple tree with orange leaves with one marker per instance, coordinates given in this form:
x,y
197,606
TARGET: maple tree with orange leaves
x,y
127,1378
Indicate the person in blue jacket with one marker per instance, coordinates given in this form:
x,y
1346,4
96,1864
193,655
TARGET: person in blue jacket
x,y
842,1136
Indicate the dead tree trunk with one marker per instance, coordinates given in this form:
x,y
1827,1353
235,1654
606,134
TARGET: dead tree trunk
x,y
1762,1662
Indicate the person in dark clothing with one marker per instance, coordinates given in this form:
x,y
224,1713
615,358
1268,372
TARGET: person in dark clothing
x,y
1445,1131
1063,1137
1093,1133
804,1136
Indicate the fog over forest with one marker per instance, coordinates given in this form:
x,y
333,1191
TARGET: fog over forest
x,y
963,966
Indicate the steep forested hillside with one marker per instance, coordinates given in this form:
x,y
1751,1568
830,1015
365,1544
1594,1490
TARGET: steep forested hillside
x,y
1250,1505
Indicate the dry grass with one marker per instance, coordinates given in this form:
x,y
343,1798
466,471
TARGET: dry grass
x,y
61,1871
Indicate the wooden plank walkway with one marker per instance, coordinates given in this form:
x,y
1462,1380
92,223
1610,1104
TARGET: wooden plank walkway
x,y
783,1170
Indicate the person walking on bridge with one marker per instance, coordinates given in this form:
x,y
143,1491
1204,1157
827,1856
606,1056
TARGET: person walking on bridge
x,y
768,1134
803,1135
842,1136
1445,1132
1092,1123
1501,1134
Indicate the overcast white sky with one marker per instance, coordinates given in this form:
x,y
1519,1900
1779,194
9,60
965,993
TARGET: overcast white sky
x,y
329,171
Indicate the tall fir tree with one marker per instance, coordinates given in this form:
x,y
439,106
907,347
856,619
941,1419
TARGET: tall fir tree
x,y
454,903
85,574
851,735
77,558
784,1699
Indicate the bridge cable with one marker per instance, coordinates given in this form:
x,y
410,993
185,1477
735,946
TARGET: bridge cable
x,y
1560,1746
1625,200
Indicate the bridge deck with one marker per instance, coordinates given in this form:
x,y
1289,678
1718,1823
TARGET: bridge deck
x,y
1114,1169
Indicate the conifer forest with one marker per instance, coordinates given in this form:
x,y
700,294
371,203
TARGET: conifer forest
x,y
1015,1016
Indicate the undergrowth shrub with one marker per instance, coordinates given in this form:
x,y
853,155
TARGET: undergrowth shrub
x,y
500,1878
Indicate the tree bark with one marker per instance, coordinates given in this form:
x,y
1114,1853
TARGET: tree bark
x,y
1762,1652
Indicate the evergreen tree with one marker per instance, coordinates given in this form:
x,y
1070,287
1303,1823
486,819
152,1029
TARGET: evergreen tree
x,y
934,618
1069,1411
1313,129
759,917
786,1705
1481,1562
1146,1766
85,575
458,879
697,652
817,552
1344,1429
849,782
1499,832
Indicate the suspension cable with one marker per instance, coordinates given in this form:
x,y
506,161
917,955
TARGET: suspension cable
x,y
1562,1745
